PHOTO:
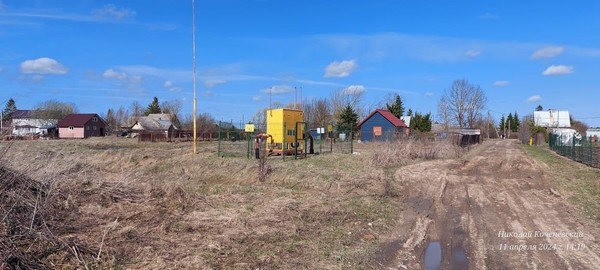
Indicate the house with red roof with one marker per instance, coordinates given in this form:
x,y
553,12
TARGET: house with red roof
x,y
381,125
81,126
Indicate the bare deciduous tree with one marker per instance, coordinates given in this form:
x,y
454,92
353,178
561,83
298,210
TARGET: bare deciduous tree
x,y
462,104
317,112
205,123
348,96
53,111
172,107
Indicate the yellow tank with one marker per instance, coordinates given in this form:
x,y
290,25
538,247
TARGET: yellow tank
x,y
275,122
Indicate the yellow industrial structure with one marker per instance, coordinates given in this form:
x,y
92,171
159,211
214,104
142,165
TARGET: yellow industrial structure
x,y
286,127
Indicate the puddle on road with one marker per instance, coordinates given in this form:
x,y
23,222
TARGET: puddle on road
x,y
459,259
433,256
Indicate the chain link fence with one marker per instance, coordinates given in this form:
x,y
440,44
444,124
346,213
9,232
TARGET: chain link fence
x,y
578,148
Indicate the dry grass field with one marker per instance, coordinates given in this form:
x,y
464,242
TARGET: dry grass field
x,y
114,203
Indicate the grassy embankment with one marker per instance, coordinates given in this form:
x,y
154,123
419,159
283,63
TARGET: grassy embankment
x,y
580,184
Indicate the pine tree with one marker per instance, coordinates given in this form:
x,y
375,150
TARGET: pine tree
x,y
8,110
539,108
421,122
409,113
502,123
396,108
509,122
514,126
153,107
348,120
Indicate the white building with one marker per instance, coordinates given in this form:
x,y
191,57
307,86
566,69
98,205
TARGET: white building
x,y
552,119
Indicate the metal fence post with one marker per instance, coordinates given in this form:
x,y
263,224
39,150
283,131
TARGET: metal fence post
x,y
219,141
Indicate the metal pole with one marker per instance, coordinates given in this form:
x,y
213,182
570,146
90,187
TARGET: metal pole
x,y
194,59
219,143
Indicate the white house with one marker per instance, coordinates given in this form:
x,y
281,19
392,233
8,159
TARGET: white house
x,y
552,119
24,123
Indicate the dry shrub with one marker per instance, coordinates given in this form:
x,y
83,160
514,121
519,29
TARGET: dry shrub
x,y
32,218
402,152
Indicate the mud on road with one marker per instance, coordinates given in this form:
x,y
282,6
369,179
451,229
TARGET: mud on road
x,y
492,209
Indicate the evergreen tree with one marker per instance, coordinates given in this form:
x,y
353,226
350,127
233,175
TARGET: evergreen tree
x,y
421,122
409,113
509,122
502,123
348,120
153,107
539,108
8,110
396,107
514,125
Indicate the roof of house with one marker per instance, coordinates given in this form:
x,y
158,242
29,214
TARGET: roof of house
x,y
387,115
552,118
22,114
76,119
159,121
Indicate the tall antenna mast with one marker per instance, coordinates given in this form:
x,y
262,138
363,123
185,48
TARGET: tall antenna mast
x,y
194,59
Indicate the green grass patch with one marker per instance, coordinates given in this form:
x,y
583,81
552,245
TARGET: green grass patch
x,y
579,183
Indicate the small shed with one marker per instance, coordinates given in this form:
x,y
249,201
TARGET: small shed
x,y
79,126
469,136
380,125
593,134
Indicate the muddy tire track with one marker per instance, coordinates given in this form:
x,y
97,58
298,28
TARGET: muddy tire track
x,y
492,209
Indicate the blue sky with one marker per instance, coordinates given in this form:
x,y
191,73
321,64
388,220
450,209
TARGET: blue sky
x,y
108,54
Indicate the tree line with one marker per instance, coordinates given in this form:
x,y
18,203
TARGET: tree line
x,y
462,105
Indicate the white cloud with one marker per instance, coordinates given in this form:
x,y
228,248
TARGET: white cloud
x,y
501,83
534,98
112,74
558,70
278,89
548,52
472,53
353,90
257,98
169,85
111,11
488,15
213,83
340,69
429,94
43,65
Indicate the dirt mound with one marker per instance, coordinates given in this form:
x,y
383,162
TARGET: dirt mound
x,y
32,217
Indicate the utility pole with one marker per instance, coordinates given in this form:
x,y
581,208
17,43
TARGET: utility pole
x,y
194,59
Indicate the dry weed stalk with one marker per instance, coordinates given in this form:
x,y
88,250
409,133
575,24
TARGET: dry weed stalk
x,y
401,152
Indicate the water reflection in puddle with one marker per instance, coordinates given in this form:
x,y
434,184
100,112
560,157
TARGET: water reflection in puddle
x,y
433,256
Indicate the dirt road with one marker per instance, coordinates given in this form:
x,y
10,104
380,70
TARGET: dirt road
x,y
493,209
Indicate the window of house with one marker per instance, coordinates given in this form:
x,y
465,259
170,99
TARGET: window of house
x,y
94,119
71,128
95,127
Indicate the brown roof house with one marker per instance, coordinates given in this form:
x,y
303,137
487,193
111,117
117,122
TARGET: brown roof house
x,y
81,126
154,127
